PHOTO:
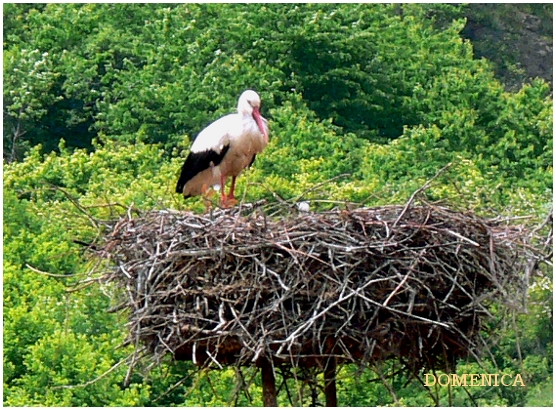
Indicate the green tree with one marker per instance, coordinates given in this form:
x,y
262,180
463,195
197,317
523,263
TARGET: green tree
x,y
366,103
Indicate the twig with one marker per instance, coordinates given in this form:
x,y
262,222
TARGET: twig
x,y
54,275
425,186
96,379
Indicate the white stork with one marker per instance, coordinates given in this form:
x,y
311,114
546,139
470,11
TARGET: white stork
x,y
225,148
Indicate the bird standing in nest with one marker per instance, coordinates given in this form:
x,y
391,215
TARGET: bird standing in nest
x,y
225,148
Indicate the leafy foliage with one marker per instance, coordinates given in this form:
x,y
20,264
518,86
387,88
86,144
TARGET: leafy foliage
x,y
366,103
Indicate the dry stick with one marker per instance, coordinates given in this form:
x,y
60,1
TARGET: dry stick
x,y
320,184
54,275
96,379
238,320
238,387
285,384
409,271
84,284
401,312
76,203
418,191
176,385
547,221
462,237
213,359
517,342
378,369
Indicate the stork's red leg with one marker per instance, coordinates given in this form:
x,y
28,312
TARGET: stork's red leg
x,y
231,196
228,201
223,188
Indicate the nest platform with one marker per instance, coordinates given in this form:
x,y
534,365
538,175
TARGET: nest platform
x,y
239,286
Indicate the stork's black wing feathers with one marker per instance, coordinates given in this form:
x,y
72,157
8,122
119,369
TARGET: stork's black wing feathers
x,y
197,162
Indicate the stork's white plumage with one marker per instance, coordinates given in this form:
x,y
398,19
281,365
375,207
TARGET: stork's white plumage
x,y
225,148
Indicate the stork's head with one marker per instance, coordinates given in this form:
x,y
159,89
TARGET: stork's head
x,y
248,100
249,104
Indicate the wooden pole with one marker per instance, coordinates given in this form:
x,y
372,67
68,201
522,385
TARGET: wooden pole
x,y
330,382
269,384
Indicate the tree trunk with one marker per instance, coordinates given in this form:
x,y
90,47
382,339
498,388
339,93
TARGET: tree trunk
x,y
330,382
269,384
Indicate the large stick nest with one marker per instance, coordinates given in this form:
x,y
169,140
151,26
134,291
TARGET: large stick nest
x,y
236,286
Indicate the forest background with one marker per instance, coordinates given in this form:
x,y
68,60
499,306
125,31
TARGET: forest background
x,y
366,102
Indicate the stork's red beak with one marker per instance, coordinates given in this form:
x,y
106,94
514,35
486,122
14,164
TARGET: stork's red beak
x,y
259,121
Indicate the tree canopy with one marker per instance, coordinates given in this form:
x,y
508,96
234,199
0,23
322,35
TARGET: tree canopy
x,y
366,102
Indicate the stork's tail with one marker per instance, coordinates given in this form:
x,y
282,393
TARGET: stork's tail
x,y
197,162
